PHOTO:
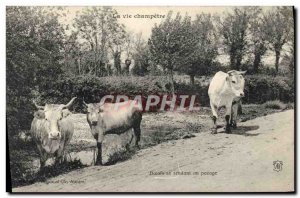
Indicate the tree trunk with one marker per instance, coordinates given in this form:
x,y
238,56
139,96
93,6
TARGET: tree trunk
x,y
238,62
232,61
79,66
117,62
170,73
172,82
257,59
277,53
127,63
192,79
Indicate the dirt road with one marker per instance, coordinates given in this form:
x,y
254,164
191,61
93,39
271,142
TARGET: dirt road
x,y
242,161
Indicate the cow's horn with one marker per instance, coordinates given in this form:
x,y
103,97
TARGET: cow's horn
x,y
230,72
242,72
38,106
70,103
84,103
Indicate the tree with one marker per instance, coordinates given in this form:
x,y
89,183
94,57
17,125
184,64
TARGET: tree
x,y
170,43
116,44
140,55
128,46
278,25
34,40
233,28
205,49
73,56
257,41
99,31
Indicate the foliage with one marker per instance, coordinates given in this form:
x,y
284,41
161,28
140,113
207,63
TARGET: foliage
x,y
233,29
141,56
278,25
257,41
262,88
205,52
96,34
141,62
171,43
34,40
274,104
92,88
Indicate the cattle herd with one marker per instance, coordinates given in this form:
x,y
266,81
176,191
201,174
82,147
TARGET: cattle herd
x,y
52,128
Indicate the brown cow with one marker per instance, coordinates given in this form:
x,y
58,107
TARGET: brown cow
x,y
113,118
52,130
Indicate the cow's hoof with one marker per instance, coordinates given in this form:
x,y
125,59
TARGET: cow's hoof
x,y
233,125
214,131
228,130
98,162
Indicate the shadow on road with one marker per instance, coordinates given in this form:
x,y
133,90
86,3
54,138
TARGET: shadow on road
x,y
242,130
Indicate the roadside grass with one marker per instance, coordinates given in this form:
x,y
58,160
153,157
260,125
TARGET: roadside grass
x,y
26,172
274,104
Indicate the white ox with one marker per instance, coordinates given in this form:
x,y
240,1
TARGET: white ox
x,y
226,90
52,130
113,118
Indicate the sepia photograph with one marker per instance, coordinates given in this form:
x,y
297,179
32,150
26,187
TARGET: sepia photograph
x,y
150,99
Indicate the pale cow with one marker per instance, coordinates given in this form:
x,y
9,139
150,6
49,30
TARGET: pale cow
x,y
226,90
52,130
113,118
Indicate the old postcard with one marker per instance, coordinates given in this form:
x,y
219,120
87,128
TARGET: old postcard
x,y
150,99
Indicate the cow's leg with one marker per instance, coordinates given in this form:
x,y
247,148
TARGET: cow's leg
x,y
99,155
43,157
59,155
137,133
43,160
214,117
227,117
99,147
137,128
234,111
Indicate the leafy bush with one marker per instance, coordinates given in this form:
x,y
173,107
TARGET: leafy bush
x,y
290,105
92,88
34,41
199,90
258,89
274,104
262,88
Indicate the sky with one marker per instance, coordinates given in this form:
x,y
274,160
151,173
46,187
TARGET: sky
x,y
144,25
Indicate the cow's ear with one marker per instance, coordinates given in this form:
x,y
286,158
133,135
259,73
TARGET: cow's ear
x,y
40,114
66,113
